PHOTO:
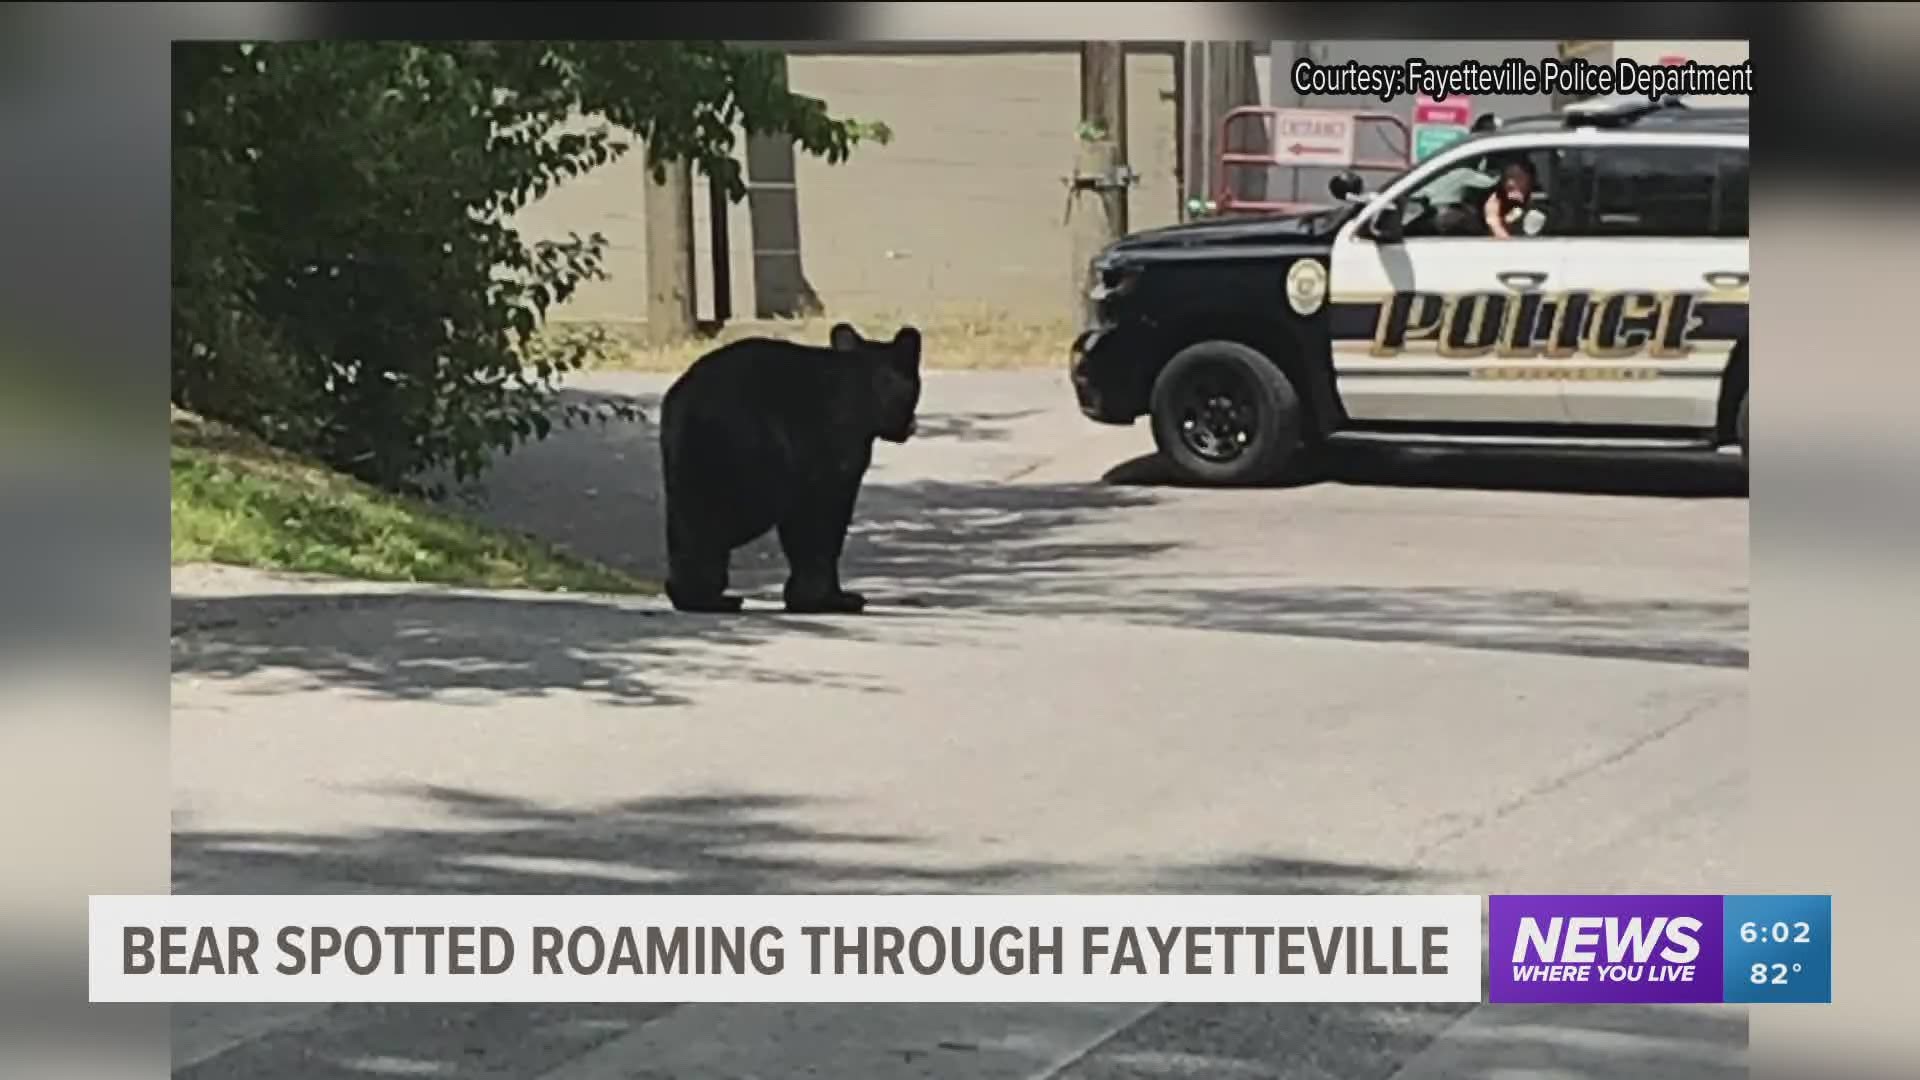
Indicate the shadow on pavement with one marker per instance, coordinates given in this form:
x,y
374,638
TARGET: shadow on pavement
x,y
1010,550
1699,633
971,427
720,843
745,843
921,544
1265,1042
1668,474
932,542
414,646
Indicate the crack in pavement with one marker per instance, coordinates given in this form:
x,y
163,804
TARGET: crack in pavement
x,y
1499,813
1563,780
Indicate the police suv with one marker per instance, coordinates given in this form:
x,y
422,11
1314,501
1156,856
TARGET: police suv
x,y
1615,308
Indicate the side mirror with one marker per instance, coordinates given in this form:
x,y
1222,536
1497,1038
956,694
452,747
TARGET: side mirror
x,y
1385,226
1346,185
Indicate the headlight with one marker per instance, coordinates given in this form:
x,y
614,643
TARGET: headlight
x,y
1111,279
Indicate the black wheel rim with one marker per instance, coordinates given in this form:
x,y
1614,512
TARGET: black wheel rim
x,y
1216,416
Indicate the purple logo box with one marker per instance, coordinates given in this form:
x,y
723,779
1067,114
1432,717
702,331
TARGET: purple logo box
x,y
1605,949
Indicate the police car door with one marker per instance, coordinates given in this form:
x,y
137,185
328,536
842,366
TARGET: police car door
x,y
1434,326
1660,259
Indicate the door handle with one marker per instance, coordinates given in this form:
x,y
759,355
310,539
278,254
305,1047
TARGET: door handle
x,y
1726,279
1522,279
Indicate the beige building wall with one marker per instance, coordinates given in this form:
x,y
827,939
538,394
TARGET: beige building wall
x,y
964,210
966,207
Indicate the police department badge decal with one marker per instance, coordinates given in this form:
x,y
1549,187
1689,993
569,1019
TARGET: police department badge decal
x,y
1307,286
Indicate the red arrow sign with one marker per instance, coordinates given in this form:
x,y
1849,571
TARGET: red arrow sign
x,y
1301,135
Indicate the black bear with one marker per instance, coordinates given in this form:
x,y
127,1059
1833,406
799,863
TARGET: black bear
x,y
764,434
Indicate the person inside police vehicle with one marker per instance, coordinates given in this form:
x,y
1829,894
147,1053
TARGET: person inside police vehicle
x,y
1505,210
1449,204
1465,200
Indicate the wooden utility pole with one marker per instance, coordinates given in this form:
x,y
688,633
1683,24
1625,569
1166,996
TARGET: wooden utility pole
x,y
1097,200
670,280
1103,91
1232,82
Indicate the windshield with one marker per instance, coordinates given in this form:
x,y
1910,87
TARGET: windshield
x,y
1451,183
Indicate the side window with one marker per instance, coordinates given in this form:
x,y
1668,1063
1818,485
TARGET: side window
x,y
1730,215
1665,191
1453,202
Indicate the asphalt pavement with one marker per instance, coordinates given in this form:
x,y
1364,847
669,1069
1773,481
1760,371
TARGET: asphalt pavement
x,y
1421,671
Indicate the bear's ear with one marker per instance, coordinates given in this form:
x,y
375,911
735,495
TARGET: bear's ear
x,y
843,337
906,346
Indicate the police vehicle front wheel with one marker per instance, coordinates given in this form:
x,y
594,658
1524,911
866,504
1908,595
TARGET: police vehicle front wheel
x,y
1225,414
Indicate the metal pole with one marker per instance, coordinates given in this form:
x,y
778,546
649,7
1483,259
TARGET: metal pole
x,y
722,253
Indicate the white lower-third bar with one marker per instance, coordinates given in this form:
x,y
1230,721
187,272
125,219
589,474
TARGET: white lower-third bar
x,y
871,948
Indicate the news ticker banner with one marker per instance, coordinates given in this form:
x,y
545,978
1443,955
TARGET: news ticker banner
x,y
856,948
933,948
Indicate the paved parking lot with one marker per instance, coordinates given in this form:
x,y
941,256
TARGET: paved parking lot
x,y
1430,671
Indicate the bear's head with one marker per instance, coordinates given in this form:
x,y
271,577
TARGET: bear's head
x,y
892,373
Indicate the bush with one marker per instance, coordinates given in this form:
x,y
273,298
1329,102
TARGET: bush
x,y
346,284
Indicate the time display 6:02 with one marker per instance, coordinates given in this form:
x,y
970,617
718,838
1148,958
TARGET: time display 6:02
x,y
1780,933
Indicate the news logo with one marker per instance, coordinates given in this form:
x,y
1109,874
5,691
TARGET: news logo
x,y
1683,949
1606,949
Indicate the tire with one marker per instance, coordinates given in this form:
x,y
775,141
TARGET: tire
x,y
1226,415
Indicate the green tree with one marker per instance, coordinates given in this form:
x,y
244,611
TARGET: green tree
x,y
346,280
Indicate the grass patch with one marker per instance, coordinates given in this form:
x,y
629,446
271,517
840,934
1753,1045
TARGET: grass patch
x,y
239,502
960,339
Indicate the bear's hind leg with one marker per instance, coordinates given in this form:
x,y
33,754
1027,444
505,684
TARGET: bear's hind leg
x,y
697,567
699,585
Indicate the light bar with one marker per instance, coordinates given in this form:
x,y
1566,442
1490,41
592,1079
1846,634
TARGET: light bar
x,y
1616,110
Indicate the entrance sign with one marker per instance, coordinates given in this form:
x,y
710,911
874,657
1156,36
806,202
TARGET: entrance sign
x,y
1312,137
